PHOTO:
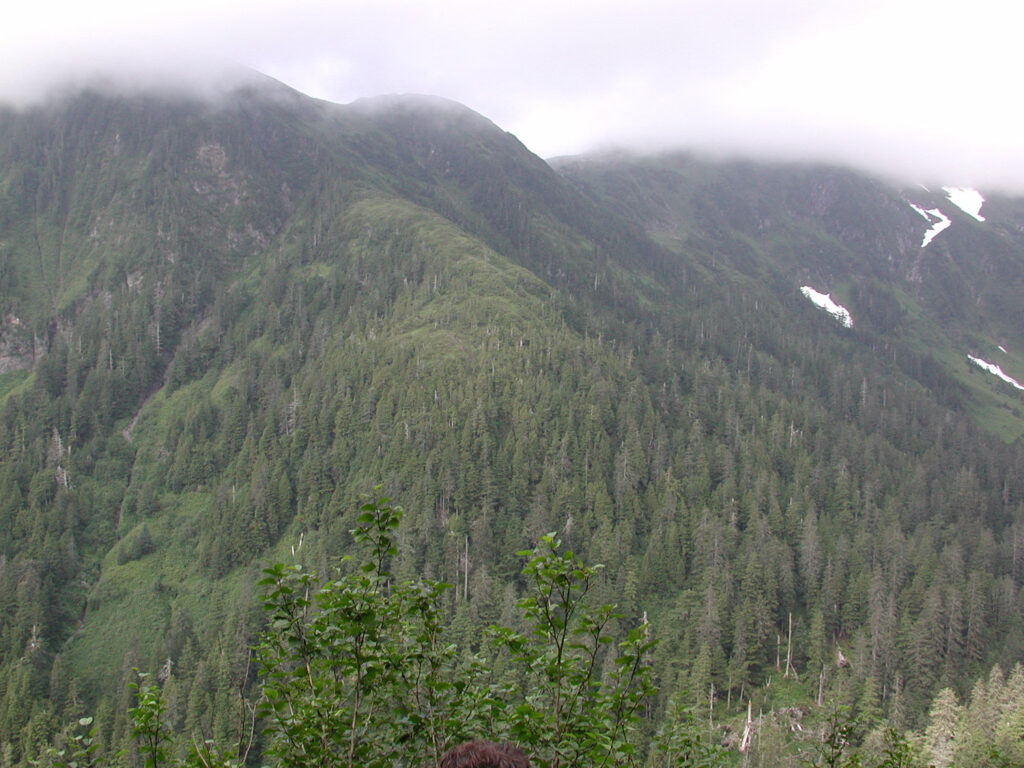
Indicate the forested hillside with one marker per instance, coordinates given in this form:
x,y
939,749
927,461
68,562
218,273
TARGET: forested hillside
x,y
223,321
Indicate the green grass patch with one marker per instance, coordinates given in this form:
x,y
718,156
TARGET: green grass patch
x,y
14,382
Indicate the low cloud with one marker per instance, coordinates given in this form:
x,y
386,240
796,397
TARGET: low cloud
x,y
922,91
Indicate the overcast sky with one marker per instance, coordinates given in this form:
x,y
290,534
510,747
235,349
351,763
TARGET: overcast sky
x,y
926,90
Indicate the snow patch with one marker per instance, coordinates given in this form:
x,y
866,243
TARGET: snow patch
x,y
995,369
824,300
967,200
1002,349
920,210
941,221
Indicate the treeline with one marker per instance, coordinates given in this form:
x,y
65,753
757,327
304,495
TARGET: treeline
x,y
714,481
358,668
769,490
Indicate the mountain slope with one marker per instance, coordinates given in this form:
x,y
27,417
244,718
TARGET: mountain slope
x,y
224,320
927,296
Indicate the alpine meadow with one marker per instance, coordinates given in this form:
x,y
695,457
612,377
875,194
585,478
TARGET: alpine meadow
x,y
337,435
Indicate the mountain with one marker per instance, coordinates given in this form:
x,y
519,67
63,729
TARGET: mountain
x,y
225,318
927,296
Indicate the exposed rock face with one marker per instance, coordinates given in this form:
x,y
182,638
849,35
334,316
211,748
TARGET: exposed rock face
x,y
17,348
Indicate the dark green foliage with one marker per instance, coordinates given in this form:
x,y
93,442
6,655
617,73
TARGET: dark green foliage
x,y
75,747
569,715
682,742
836,748
148,726
229,316
358,670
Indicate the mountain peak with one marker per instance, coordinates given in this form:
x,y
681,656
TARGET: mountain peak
x,y
412,102
205,78
435,112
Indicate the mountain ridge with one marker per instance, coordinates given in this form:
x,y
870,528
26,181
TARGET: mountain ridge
x,y
236,317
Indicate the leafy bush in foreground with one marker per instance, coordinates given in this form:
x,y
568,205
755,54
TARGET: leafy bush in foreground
x,y
357,670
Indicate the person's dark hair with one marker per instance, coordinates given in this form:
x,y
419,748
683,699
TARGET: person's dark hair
x,y
484,754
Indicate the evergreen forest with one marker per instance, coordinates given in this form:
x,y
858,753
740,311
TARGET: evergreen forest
x,y
227,321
